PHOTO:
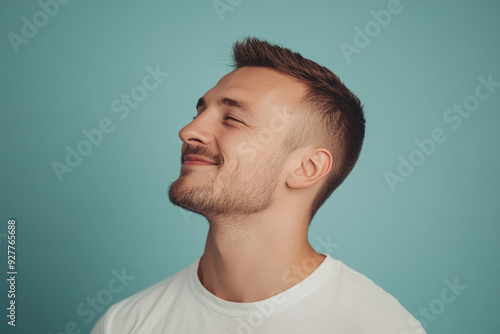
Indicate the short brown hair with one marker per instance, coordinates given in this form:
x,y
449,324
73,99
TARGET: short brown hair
x,y
336,119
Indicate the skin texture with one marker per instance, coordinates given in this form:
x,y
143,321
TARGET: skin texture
x,y
256,198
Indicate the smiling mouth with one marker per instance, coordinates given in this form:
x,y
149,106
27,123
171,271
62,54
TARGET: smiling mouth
x,y
191,160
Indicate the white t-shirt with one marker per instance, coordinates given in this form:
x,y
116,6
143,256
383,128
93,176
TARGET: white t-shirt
x,y
333,299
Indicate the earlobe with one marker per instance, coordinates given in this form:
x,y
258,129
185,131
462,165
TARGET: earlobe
x,y
315,165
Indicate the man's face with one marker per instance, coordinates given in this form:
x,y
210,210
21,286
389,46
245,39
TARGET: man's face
x,y
239,129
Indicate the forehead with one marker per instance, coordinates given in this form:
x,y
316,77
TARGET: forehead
x,y
259,87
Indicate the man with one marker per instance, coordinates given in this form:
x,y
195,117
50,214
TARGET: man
x,y
268,145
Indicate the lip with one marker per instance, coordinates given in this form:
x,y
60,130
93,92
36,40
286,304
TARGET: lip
x,y
195,160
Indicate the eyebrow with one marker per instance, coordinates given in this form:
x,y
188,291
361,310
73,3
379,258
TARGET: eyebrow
x,y
242,105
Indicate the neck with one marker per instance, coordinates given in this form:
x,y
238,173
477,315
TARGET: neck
x,y
256,257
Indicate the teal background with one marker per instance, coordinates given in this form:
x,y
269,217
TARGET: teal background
x,y
113,212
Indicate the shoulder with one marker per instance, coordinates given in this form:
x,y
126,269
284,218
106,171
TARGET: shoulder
x,y
133,311
370,306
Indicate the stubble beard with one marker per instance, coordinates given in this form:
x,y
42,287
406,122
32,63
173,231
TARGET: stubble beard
x,y
236,193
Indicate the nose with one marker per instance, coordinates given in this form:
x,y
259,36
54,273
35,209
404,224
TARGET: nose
x,y
197,131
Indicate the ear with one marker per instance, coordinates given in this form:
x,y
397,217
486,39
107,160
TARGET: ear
x,y
314,165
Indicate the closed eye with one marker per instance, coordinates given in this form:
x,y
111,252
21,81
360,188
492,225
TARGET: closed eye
x,y
226,118
234,119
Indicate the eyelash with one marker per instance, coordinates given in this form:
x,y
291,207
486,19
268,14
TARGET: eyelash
x,y
227,117
234,119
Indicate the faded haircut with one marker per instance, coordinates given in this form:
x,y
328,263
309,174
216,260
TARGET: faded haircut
x,y
331,116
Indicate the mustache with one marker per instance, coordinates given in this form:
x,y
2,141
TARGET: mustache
x,y
203,152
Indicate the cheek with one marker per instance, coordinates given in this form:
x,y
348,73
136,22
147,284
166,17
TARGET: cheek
x,y
247,152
